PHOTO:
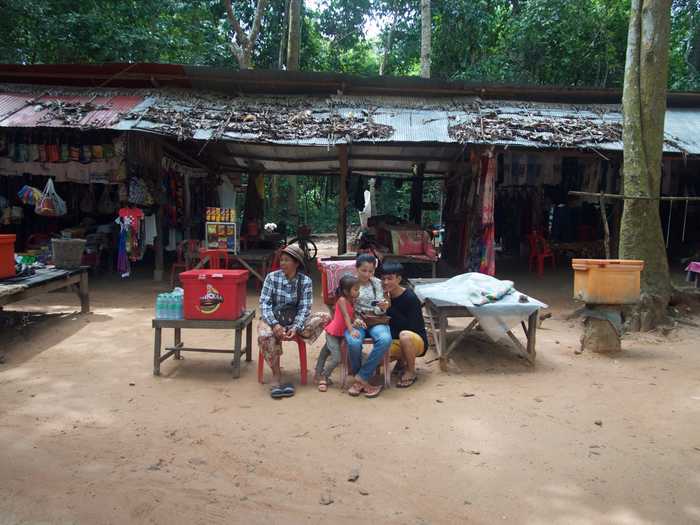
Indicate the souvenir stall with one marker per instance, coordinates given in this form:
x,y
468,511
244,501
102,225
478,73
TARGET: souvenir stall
x,y
517,205
61,184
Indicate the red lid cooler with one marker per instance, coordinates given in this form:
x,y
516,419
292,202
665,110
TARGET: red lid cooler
x,y
214,294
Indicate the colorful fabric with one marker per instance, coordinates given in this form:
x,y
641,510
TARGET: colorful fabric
x,y
693,267
334,270
337,326
279,291
271,348
488,256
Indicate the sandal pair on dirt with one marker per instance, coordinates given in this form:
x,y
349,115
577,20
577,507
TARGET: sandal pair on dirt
x,y
370,391
278,392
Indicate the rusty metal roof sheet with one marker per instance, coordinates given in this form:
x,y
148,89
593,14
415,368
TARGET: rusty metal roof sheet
x,y
19,110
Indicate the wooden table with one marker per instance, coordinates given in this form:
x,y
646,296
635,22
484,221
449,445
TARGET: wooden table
x,y
410,259
245,321
403,259
44,281
250,258
439,311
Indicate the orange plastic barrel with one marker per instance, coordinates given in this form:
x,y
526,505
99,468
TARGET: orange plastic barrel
x,y
7,256
607,281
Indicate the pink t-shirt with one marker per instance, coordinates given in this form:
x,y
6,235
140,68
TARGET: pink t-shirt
x,y
337,326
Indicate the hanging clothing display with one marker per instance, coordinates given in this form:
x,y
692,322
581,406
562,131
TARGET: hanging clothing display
x,y
131,238
488,257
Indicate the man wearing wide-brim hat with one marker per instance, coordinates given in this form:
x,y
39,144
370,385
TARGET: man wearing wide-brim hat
x,y
285,306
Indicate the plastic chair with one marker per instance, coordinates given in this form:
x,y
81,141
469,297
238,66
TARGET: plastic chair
x,y
187,254
539,252
345,363
251,237
215,258
301,344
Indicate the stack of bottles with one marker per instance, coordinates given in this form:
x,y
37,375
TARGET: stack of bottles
x,y
170,306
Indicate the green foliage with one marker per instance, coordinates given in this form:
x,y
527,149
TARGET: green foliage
x,y
559,42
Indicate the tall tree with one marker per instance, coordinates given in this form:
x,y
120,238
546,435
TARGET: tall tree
x,y
644,108
243,44
425,38
293,46
294,41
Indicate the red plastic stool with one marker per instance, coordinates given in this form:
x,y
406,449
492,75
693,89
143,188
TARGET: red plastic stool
x,y
345,364
302,361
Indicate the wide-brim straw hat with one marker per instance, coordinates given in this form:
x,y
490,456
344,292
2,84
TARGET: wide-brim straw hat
x,y
295,253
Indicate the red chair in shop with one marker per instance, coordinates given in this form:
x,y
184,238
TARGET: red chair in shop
x,y
218,259
251,237
187,257
345,363
301,344
539,252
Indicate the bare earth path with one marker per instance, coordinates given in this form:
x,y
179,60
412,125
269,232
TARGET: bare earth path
x,y
88,435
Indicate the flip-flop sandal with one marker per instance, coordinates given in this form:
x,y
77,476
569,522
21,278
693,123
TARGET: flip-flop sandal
x,y
356,389
322,386
277,392
405,383
373,391
288,390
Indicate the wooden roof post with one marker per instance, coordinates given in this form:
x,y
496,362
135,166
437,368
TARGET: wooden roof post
x,y
343,199
416,211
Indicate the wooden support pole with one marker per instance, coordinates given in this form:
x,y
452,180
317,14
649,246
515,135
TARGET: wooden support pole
x,y
416,212
606,228
343,199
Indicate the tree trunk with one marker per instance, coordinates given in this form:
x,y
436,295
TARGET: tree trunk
x,y
388,44
644,107
284,37
294,35
242,46
293,44
425,38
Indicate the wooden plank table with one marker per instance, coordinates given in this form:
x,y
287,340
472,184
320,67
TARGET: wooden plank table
x,y
439,312
410,259
403,259
245,321
46,280
250,258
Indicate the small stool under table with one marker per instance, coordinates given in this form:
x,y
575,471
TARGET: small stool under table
x,y
244,321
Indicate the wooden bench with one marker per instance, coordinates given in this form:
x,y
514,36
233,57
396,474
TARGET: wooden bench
x,y
245,321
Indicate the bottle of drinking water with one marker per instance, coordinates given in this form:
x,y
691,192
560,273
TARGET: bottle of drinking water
x,y
159,306
180,306
171,306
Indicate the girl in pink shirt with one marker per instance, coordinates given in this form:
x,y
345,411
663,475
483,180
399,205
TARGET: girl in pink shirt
x,y
343,320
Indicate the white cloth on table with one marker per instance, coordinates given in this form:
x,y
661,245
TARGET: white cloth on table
x,y
494,303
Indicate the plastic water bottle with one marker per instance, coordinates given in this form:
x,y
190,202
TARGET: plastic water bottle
x,y
180,306
171,306
159,306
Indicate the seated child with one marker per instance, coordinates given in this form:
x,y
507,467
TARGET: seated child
x,y
343,319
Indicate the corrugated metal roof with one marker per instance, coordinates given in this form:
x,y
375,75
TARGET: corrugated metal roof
x,y
413,120
17,110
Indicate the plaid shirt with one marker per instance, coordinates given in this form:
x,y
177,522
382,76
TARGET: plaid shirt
x,y
279,291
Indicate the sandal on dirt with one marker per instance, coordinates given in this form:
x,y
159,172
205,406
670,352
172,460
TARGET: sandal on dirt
x,y
288,390
373,391
356,389
323,385
277,392
405,383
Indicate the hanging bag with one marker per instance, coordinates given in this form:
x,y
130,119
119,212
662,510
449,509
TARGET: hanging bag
x,y
87,203
51,204
285,314
106,205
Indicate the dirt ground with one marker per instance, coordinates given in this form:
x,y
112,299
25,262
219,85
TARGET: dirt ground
x,y
89,435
